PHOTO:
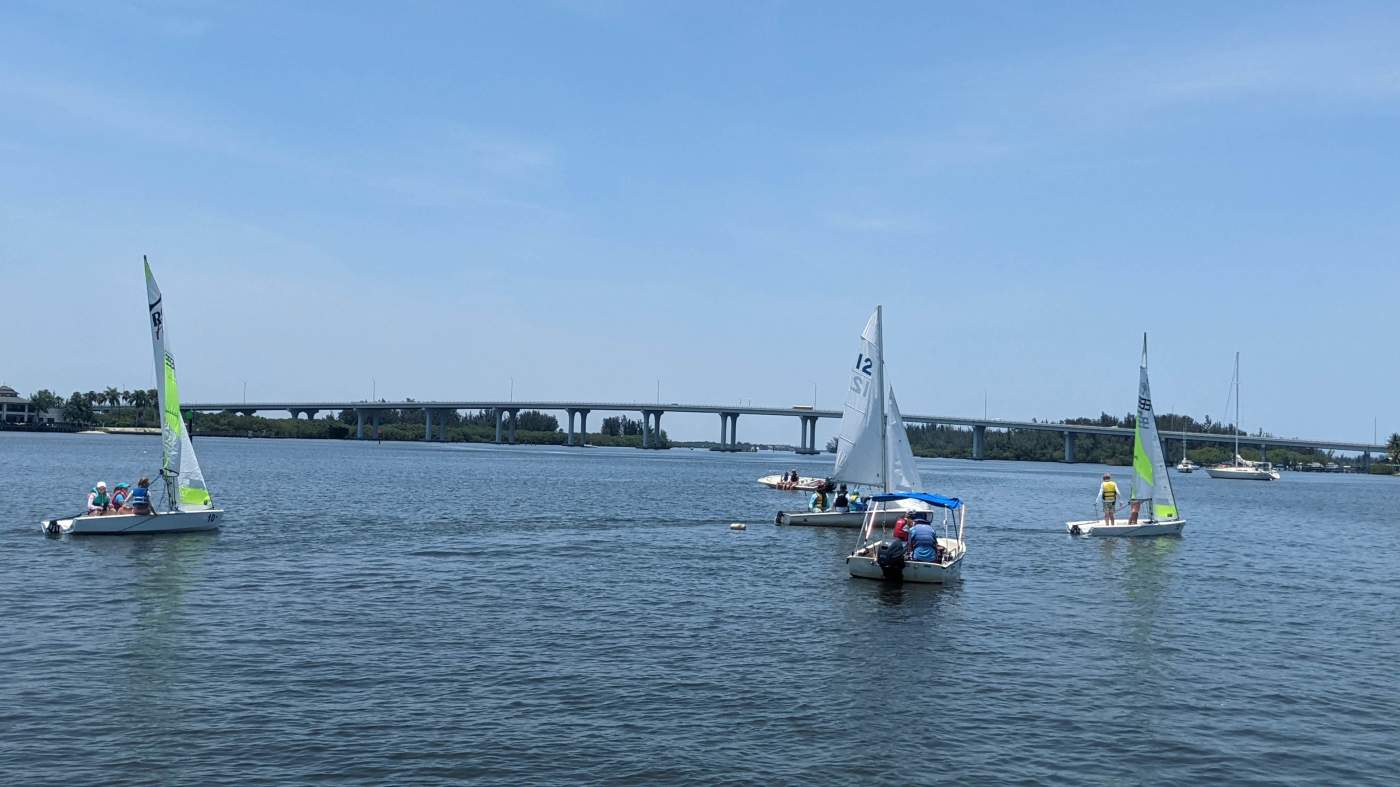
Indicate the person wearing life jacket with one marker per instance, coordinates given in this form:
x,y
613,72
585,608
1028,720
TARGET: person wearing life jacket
x,y
140,500
98,501
854,501
1108,496
901,527
924,541
120,493
842,504
818,502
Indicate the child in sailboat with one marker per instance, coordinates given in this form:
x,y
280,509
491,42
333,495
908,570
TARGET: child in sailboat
x,y
140,501
1108,496
98,502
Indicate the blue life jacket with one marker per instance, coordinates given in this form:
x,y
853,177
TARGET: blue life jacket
x,y
140,496
923,540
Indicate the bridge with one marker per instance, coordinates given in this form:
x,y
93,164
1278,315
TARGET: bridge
x,y
506,412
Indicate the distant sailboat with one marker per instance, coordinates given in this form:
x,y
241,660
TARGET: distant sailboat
x,y
1151,487
188,504
1242,469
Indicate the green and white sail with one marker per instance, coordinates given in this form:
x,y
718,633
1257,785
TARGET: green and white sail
x,y
179,467
1150,480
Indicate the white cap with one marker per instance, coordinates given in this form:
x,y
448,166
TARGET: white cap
x,y
101,484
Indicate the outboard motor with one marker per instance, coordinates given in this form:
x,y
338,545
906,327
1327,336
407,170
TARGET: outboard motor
x,y
51,527
890,558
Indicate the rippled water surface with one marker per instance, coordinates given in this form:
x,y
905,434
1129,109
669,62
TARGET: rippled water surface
x,y
416,614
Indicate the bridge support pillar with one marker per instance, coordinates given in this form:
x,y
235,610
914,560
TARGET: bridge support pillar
x,y
979,441
311,414
809,435
376,424
427,425
651,428
514,417
583,427
1365,460
570,439
359,424
723,431
1263,452
1069,447
246,412
500,416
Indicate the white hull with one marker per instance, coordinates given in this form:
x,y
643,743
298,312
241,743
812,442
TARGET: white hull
x,y
1121,528
862,563
1186,468
132,524
804,483
832,518
1242,473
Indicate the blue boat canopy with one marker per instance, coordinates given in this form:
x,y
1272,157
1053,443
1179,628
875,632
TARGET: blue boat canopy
x,y
928,497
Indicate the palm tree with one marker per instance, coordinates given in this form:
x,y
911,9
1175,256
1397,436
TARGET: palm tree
x,y
42,401
1393,448
111,396
139,400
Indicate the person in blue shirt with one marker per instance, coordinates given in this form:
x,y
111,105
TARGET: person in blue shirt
x,y
924,541
140,500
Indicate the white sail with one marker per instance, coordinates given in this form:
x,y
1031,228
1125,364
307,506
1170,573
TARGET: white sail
x,y
1150,479
179,467
904,476
860,445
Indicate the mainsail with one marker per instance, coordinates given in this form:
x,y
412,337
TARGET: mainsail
x,y
860,445
1150,480
179,467
904,476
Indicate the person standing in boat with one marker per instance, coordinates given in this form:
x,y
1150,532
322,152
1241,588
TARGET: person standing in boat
x,y
1108,496
842,504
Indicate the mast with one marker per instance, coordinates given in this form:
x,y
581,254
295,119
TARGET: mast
x,y
1237,408
880,381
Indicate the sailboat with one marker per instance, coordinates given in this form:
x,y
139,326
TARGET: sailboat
x,y
873,446
1185,465
1242,469
188,505
1151,491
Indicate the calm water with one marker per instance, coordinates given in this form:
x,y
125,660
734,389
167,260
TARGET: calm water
x,y
409,614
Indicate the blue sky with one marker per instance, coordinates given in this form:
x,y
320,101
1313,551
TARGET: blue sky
x,y
587,197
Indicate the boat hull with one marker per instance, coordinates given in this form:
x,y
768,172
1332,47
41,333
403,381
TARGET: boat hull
x,y
1242,473
135,524
862,564
1098,528
804,483
851,519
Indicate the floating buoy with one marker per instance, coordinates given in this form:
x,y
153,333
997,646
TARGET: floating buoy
x,y
738,526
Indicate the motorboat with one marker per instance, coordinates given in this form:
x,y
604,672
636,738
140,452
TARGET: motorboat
x,y
780,481
880,556
188,505
1152,509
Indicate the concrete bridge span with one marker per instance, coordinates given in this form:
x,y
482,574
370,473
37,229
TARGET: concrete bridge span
x,y
506,413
